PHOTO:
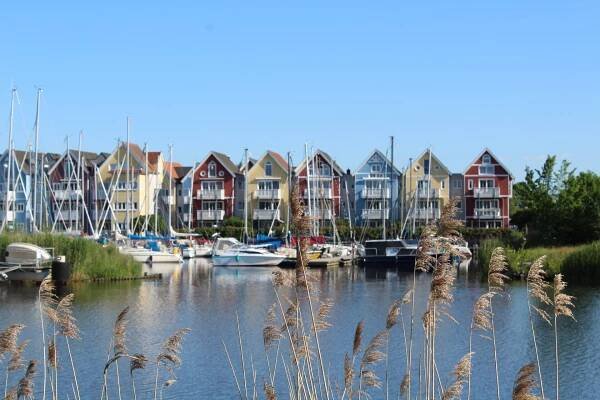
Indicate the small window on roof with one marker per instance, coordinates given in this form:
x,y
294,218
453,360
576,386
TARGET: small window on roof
x,y
268,168
486,159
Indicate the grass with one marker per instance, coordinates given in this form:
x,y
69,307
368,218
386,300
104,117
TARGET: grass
x,y
577,263
89,260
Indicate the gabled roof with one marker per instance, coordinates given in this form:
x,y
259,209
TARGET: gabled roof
x,y
171,169
222,158
380,154
24,158
487,150
182,172
251,162
327,158
274,155
153,157
89,158
434,157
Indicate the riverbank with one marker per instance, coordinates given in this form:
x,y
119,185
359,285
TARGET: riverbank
x,y
89,260
579,264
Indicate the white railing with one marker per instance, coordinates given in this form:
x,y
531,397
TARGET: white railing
x,y
168,200
423,193
68,215
319,193
66,194
210,215
487,213
487,192
210,194
11,196
9,217
267,194
424,213
376,214
373,193
266,214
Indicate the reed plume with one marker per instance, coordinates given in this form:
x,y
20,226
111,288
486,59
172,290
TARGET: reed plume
x,y
48,299
8,339
525,384
120,333
321,322
563,306
138,361
169,357
448,225
371,356
271,332
52,360
25,387
461,372
66,322
356,343
270,393
424,261
12,394
537,289
391,321
16,360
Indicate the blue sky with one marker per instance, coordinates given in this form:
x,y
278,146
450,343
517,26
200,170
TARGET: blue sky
x,y
520,77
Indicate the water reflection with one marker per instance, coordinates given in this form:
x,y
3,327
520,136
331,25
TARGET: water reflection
x,y
207,299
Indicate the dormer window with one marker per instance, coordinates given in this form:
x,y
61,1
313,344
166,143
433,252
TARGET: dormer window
x,y
376,168
268,169
486,159
212,169
426,166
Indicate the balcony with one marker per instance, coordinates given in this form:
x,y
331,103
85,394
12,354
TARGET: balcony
x,y
321,214
11,195
424,193
266,214
168,200
267,194
489,192
376,214
68,215
65,194
210,215
370,193
424,213
487,213
210,194
9,218
320,193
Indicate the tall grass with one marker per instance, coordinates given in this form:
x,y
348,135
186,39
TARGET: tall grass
x,y
583,264
89,259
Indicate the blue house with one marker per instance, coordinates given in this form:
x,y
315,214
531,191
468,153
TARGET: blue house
x,y
377,188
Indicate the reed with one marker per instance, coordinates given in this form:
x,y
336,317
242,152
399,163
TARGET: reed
x,y
563,306
525,384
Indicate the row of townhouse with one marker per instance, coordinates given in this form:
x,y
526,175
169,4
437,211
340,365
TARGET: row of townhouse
x,y
86,191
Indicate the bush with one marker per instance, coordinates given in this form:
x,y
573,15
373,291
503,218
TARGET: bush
x,y
583,265
89,259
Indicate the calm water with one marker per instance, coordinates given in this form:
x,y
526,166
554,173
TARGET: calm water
x,y
206,300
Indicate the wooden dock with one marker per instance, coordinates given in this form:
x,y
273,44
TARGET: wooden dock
x,y
325,262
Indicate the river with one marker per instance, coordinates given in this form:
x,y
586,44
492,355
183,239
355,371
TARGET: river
x,y
206,299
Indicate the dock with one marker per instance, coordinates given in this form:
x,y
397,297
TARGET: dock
x,y
325,262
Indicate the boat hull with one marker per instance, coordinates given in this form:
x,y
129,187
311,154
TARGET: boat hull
x,y
246,260
405,262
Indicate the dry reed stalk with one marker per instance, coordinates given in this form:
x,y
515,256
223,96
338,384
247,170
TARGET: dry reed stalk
x,y
47,302
138,361
349,361
525,384
270,393
481,319
169,357
120,332
563,306
25,386
537,288
391,321
371,356
461,373
68,328
8,339
448,225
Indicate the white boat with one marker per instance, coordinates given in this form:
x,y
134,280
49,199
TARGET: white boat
x,y
143,255
229,252
203,250
188,252
25,261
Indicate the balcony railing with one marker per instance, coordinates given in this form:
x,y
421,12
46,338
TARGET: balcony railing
x,y
487,213
376,214
9,218
424,213
68,215
267,194
210,215
487,192
65,194
423,193
210,194
11,195
266,214
318,193
168,200
374,193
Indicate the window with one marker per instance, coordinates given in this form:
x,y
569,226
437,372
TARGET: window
x,y
212,169
324,170
486,169
486,183
20,207
457,184
376,168
470,184
443,184
426,166
268,169
486,159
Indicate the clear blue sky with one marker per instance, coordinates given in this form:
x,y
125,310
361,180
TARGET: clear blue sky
x,y
521,77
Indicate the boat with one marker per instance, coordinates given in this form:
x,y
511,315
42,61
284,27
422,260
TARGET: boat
x,y
203,250
399,253
188,252
231,252
25,261
148,256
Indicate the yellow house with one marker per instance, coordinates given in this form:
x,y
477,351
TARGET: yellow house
x,y
132,182
426,187
268,191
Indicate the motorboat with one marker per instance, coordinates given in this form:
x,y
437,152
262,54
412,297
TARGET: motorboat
x,y
148,256
390,253
231,252
25,261
203,250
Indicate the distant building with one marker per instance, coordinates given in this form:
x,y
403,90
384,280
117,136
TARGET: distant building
x,y
457,194
377,185
488,191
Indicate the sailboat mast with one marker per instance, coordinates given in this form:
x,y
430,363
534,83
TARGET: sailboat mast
x,y
10,159
307,165
392,190
145,188
191,210
127,183
287,214
37,161
428,187
170,188
245,195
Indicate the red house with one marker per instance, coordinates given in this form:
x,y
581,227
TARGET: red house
x,y
323,179
488,190
213,189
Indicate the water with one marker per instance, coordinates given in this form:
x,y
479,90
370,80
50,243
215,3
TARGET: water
x,y
206,299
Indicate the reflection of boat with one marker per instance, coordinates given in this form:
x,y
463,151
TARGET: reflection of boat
x,y
25,261
389,253
230,252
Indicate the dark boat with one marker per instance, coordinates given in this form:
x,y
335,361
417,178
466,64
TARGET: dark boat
x,y
390,253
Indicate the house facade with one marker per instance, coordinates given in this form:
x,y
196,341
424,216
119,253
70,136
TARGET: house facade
x,y
457,194
488,191
318,179
213,184
377,184
428,181
74,194
129,187
268,191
